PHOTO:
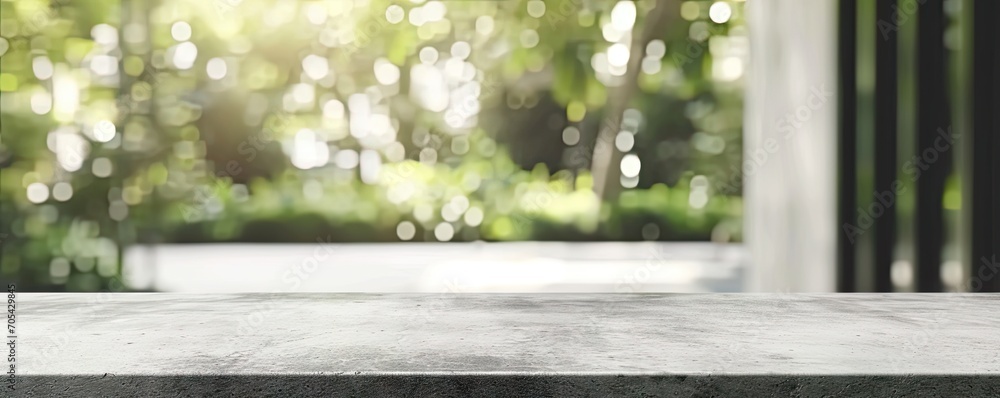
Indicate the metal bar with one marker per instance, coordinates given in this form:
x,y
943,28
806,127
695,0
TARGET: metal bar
x,y
985,239
886,98
847,144
932,162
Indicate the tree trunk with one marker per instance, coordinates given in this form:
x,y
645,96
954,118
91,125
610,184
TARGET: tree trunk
x,y
606,159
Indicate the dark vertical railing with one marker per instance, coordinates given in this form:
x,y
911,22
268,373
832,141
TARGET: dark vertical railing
x,y
886,96
847,143
936,143
934,146
985,145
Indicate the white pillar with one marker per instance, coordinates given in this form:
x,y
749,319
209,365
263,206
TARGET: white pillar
x,y
790,145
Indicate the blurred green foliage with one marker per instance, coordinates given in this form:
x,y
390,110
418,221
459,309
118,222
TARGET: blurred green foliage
x,y
129,121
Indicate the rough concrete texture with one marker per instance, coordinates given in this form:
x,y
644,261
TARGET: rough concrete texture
x,y
509,345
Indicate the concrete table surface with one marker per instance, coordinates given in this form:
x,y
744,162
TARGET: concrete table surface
x,y
511,345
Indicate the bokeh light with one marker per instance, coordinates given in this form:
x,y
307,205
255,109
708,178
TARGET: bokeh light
x,y
366,121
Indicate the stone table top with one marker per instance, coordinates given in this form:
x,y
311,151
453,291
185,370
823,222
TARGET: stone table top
x,y
179,335
606,333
